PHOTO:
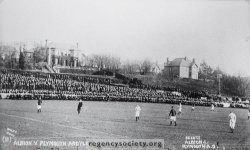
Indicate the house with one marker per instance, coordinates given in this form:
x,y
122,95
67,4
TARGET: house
x,y
156,68
181,68
66,58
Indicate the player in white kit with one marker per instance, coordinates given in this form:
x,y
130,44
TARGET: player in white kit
x,y
137,112
232,121
212,107
193,107
39,105
180,109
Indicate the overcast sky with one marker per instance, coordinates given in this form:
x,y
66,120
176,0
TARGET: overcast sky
x,y
213,30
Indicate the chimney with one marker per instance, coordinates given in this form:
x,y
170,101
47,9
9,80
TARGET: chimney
x,y
185,58
193,60
167,61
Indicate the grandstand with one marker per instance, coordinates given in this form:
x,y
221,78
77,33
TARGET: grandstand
x,y
17,84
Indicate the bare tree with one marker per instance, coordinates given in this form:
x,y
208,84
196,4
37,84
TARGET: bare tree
x,y
205,71
115,63
39,54
6,53
98,61
143,67
130,67
146,66
106,62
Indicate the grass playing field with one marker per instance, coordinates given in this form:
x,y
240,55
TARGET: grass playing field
x,y
115,120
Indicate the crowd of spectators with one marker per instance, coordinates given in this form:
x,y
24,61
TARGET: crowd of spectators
x,y
75,71
32,85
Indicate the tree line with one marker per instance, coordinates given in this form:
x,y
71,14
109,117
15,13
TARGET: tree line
x,y
230,85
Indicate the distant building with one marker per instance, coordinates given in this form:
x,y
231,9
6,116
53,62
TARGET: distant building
x,y
53,57
155,68
181,68
28,54
66,58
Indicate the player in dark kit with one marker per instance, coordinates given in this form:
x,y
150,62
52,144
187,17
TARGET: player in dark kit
x,y
79,107
39,105
172,115
248,113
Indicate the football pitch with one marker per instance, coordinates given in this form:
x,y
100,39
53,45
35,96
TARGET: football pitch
x,y
116,120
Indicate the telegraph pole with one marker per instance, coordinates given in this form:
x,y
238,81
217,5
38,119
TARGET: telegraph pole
x,y
219,77
219,86
46,50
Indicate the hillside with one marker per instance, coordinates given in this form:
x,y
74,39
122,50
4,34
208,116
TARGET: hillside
x,y
187,84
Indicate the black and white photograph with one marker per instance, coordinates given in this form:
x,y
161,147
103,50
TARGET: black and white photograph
x,y
124,74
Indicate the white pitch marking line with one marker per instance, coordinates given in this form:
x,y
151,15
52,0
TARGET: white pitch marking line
x,y
61,125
